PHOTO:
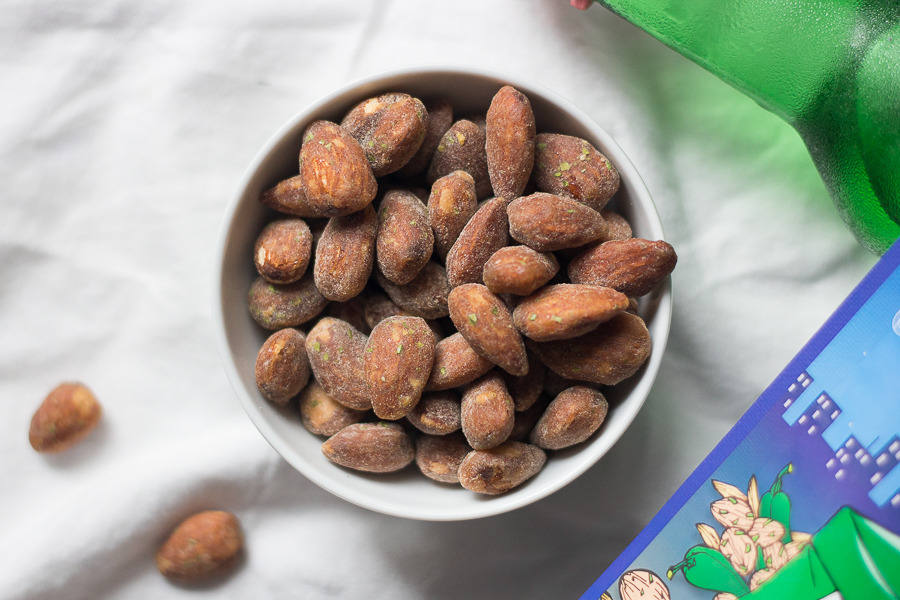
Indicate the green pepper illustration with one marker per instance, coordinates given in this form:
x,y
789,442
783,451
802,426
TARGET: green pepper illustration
x,y
775,504
708,569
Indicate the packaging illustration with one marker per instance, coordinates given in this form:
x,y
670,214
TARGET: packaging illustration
x,y
801,499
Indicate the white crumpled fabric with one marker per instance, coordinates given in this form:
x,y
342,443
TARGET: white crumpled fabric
x,y
124,130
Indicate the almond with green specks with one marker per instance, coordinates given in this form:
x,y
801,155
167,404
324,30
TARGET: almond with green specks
x,y
203,545
510,131
276,306
462,149
336,177
371,447
323,415
486,323
68,415
455,364
563,311
336,353
282,368
398,360
390,128
570,166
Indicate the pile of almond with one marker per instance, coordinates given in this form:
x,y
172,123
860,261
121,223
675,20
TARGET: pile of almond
x,y
467,328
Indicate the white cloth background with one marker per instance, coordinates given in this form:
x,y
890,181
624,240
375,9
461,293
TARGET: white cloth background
x,y
124,130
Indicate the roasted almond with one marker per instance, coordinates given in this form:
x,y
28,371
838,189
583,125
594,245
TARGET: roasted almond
x,y
485,233
510,131
335,349
390,129
500,469
559,312
570,166
450,206
336,177
405,239
462,149
67,415
398,360
372,447
518,270
634,266
487,412
570,419
486,323
346,254
611,353
276,306
546,222
282,368
455,364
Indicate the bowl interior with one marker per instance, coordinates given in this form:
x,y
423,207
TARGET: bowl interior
x,y
408,493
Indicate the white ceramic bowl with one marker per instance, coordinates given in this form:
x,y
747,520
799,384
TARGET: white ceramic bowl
x,y
408,493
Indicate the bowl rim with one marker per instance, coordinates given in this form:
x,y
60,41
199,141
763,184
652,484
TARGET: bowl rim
x,y
498,504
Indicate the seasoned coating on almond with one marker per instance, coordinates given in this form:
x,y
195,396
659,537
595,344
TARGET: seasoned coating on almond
x,y
563,311
437,413
390,129
282,368
440,118
288,197
336,175
439,456
203,545
282,250
67,415
487,412
425,296
609,354
526,389
485,233
500,469
450,206
518,270
570,419
527,419
546,222
486,323
510,131
346,254
352,311
634,267
617,227
278,306
462,149
405,240
372,447
570,166
323,415
335,349
455,364
398,360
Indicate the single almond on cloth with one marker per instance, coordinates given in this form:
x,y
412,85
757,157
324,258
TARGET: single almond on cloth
x,y
68,415
203,545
